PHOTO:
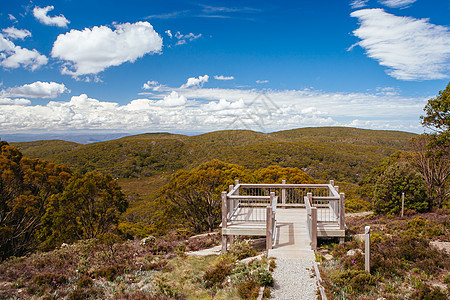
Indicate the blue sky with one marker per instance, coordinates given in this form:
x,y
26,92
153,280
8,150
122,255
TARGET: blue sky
x,y
193,66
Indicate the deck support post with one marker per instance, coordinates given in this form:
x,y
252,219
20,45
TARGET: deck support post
x,y
269,220
224,221
283,194
341,214
314,228
367,248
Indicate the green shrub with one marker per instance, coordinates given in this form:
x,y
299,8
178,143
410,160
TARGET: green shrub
x,y
398,178
82,294
241,250
354,281
49,279
424,292
248,290
111,272
85,281
216,275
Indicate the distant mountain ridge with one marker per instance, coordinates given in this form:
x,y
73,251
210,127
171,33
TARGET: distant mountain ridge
x,y
339,153
87,138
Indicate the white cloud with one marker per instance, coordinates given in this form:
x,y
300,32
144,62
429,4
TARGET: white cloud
x,y
14,33
169,33
17,101
184,38
40,13
11,17
172,100
91,51
196,82
262,81
397,3
221,77
12,56
218,109
38,89
151,85
223,105
411,49
358,3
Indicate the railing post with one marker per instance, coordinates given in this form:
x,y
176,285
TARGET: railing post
x,y
313,228
309,196
236,183
272,195
341,214
283,194
367,248
336,188
230,188
224,221
329,192
269,228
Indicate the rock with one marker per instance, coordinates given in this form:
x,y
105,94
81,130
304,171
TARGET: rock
x,y
328,256
353,252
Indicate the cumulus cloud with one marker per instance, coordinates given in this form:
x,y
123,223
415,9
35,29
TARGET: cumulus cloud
x,y
151,85
169,33
91,51
397,3
17,101
221,77
38,89
14,33
13,57
41,14
358,3
216,109
411,49
223,104
172,100
196,82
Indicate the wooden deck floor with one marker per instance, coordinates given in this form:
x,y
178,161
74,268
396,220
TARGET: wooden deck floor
x,y
252,221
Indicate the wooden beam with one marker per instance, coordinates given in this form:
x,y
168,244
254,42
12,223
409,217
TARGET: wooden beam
x,y
367,248
314,228
269,227
283,193
342,211
224,221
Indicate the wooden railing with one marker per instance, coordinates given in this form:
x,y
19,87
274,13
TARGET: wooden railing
x,y
323,202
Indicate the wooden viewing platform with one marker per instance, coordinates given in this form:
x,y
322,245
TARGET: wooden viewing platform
x,y
251,209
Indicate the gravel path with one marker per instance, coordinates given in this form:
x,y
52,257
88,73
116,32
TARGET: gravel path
x,y
293,279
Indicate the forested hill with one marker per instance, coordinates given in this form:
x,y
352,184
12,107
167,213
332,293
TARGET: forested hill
x,y
344,154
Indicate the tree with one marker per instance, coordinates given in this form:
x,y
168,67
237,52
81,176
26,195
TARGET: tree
x,y
431,151
26,187
88,207
275,174
432,159
437,110
196,193
398,177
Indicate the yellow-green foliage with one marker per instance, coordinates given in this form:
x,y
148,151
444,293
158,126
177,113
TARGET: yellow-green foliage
x,y
343,154
43,204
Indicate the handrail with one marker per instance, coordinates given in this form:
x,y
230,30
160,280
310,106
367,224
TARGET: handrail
x,y
246,201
